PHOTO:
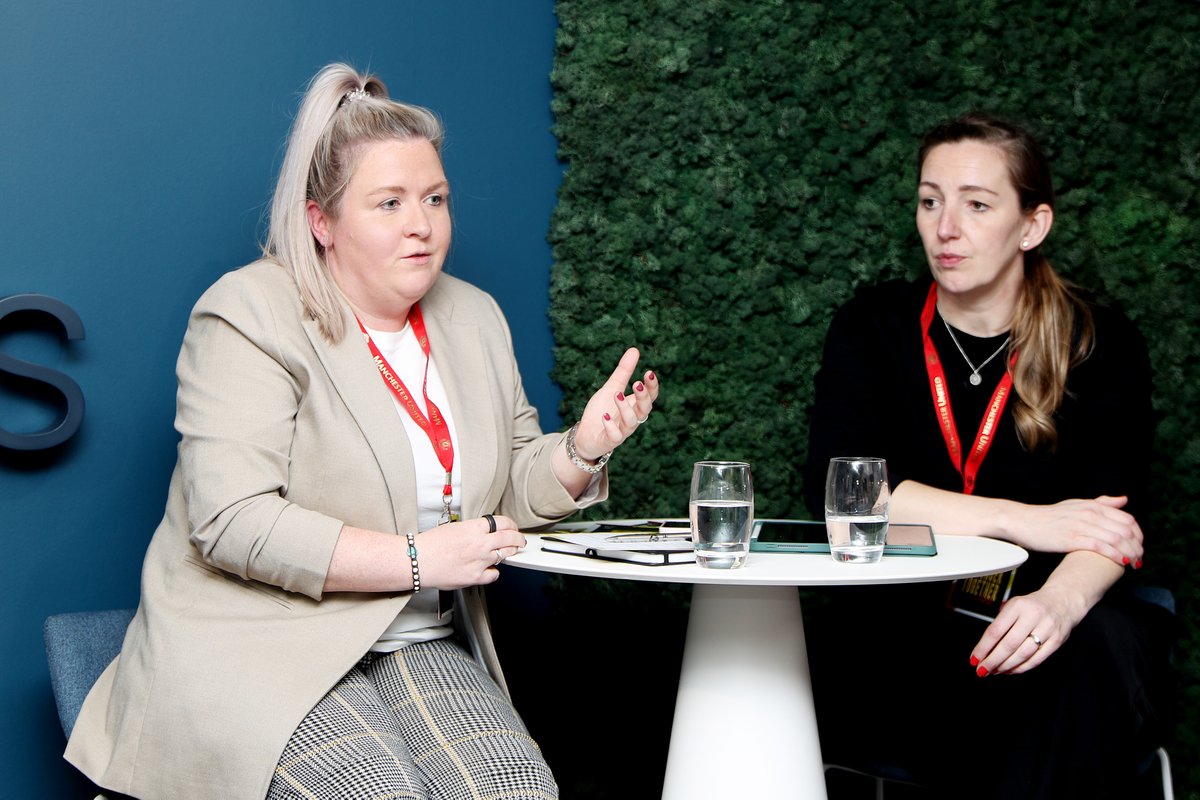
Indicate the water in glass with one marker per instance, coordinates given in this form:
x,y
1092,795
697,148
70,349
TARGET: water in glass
x,y
857,538
721,532
856,509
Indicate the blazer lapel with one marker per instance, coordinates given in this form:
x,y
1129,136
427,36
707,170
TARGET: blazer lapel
x,y
458,352
354,375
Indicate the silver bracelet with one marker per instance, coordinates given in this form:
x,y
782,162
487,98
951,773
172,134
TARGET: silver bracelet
x,y
412,555
573,454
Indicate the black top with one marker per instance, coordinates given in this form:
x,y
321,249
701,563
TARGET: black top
x,y
873,399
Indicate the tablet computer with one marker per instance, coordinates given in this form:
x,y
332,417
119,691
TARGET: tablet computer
x,y
807,536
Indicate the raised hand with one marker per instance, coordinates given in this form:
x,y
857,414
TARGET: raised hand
x,y
614,412
461,554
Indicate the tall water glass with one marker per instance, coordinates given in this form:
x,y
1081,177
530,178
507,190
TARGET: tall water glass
x,y
722,513
856,509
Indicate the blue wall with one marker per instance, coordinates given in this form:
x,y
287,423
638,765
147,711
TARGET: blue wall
x,y
140,141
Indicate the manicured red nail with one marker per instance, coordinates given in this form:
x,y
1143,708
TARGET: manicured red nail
x,y
639,387
607,418
1124,559
974,661
981,671
620,397
1138,565
650,376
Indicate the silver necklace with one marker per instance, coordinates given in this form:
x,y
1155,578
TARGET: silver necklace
x,y
974,379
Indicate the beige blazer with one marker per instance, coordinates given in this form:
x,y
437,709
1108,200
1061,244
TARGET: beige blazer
x,y
285,437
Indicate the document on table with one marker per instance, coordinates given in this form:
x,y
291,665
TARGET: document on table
x,y
645,543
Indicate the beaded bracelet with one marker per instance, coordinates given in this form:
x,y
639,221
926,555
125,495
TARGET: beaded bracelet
x,y
412,554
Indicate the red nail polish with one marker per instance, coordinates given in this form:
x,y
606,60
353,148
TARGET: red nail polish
x,y
620,397
981,671
974,661
638,387
607,418
1138,565
651,376
1124,559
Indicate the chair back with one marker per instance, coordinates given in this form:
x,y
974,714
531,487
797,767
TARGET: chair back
x,y
78,648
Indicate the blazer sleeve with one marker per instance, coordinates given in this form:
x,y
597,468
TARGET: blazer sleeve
x,y
236,408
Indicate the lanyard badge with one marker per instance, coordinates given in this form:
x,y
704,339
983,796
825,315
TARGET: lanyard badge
x,y
434,426
945,416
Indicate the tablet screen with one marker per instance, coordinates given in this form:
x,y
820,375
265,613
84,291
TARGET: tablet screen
x,y
810,536
791,531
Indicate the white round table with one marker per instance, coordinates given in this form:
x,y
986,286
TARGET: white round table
x,y
744,722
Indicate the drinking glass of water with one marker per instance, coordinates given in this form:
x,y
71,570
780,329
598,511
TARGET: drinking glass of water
x,y
856,509
722,513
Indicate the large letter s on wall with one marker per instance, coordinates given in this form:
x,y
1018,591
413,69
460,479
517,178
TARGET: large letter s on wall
x,y
70,390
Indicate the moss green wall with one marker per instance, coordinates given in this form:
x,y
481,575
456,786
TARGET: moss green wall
x,y
736,168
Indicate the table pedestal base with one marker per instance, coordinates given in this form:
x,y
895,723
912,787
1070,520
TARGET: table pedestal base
x,y
744,725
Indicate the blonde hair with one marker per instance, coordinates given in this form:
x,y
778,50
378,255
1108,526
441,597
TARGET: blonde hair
x,y
341,111
1052,327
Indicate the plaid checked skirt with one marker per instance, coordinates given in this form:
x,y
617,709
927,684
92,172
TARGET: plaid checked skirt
x,y
423,723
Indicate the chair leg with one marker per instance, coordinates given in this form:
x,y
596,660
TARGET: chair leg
x,y
1168,786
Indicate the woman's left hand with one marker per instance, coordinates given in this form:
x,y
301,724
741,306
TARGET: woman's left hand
x,y
611,416
1025,633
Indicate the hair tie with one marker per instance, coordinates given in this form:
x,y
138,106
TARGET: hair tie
x,y
354,95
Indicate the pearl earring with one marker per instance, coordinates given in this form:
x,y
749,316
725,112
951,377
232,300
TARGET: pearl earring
x,y
1024,244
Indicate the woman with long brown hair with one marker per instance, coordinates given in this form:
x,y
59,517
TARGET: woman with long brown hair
x,y
1007,404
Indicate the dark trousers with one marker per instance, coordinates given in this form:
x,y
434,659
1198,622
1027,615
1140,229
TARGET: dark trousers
x,y
1077,726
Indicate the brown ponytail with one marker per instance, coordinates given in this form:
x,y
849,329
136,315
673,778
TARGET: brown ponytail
x,y
1052,331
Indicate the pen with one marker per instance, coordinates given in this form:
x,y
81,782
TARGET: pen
x,y
651,537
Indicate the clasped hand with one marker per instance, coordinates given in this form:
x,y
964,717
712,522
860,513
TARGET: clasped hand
x,y
461,554
1031,627
1099,525
1028,629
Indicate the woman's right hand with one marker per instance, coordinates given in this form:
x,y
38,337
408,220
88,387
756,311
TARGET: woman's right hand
x,y
461,554
1098,525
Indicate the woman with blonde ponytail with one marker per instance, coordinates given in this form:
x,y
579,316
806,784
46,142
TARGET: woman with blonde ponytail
x,y
1009,405
357,458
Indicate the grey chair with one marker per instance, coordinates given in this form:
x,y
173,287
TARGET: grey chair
x,y
1157,595
78,647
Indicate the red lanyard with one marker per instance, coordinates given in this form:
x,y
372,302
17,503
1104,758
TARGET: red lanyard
x,y
435,426
941,404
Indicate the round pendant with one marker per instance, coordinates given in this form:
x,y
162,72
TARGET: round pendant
x,y
975,379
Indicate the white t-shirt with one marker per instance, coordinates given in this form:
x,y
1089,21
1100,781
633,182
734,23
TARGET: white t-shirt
x,y
418,622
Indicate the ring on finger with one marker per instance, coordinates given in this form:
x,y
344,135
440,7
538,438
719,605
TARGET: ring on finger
x,y
499,557
491,521
643,419
1036,639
